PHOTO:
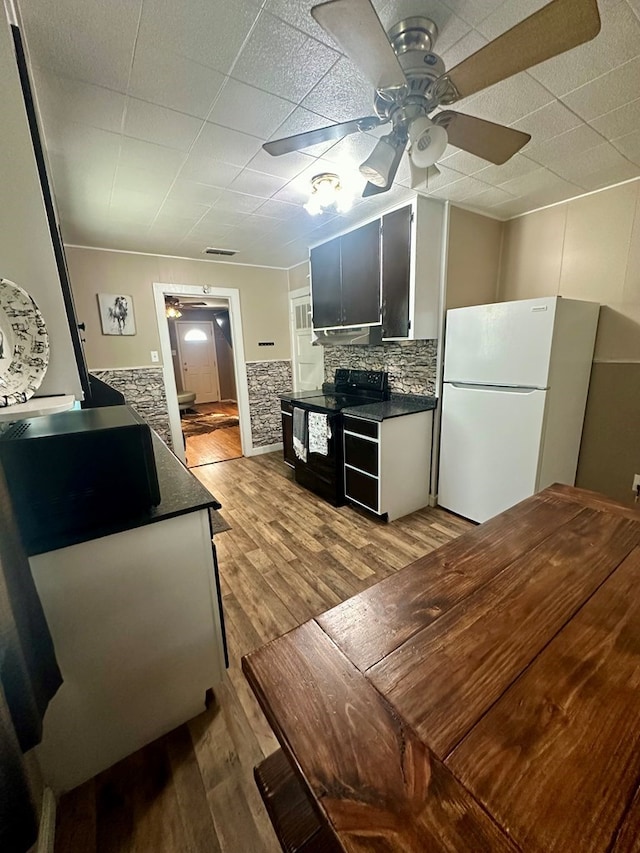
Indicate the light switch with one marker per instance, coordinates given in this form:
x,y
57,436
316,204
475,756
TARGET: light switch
x,y
155,358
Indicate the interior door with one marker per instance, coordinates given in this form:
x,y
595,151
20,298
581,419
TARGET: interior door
x,y
198,362
489,448
308,360
360,261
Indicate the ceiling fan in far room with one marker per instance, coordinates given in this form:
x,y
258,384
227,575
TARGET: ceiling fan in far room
x,y
411,83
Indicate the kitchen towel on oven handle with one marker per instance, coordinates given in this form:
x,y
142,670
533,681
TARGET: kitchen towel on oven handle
x,y
300,433
319,433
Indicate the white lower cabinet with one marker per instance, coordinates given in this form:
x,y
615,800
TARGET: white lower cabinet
x,y
135,620
387,464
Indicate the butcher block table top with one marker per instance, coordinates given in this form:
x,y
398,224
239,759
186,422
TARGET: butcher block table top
x,y
484,698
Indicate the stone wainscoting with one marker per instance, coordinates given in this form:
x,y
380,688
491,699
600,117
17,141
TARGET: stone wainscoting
x,y
267,379
143,388
411,365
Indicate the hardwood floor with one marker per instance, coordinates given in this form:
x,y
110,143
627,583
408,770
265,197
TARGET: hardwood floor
x,y
288,557
217,446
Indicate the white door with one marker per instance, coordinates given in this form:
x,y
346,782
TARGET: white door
x,y
308,360
506,343
490,444
198,362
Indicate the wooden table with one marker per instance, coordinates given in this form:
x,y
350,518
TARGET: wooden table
x,y
485,698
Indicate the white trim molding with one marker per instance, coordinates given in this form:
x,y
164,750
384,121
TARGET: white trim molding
x,y
239,363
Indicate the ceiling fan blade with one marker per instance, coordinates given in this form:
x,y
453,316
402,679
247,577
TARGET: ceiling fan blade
x,y
374,189
356,28
322,134
493,142
420,177
557,27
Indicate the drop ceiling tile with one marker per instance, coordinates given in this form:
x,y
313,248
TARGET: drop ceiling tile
x,y
508,101
281,60
607,92
619,122
237,202
447,176
163,126
91,41
205,31
132,205
183,209
206,170
550,120
508,15
517,166
218,219
509,209
62,100
617,42
284,166
571,143
595,167
474,11
171,80
297,13
249,110
136,153
279,210
465,163
341,95
142,180
629,146
223,143
534,182
257,183
489,197
461,190
463,48
350,151
192,191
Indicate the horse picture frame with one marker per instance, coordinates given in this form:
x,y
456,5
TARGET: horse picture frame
x,y
116,314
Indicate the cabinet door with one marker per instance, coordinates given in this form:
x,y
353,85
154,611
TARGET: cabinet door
x,y
325,285
287,438
360,254
396,272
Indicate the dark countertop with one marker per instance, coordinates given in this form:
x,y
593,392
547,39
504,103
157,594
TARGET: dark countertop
x,y
292,396
180,493
398,405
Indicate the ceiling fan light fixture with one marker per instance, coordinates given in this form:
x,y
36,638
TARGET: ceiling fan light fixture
x,y
428,142
327,191
377,167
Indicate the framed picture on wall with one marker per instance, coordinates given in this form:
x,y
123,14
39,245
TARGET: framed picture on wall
x,y
116,314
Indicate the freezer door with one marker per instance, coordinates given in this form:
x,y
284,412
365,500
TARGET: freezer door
x,y
508,343
490,447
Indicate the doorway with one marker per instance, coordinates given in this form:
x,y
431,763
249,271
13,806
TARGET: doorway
x,y
203,333
308,359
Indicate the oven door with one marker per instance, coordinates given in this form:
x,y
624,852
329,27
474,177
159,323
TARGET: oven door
x,y
323,474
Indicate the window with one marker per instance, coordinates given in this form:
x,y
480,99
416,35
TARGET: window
x,y
195,335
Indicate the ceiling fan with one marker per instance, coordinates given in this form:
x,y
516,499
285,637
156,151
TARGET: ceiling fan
x,y
411,83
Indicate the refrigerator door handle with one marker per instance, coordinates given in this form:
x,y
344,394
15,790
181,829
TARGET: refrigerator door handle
x,y
513,389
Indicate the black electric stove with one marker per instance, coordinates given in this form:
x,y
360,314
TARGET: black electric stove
x,y
323,474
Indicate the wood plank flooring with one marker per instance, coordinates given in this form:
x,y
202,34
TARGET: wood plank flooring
x,y
219,445
288,557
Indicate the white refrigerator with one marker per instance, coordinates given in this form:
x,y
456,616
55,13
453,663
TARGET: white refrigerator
x,y
516,377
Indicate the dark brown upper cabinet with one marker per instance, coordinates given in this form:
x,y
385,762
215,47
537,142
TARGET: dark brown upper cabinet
x,y
326,284
396,272
360,257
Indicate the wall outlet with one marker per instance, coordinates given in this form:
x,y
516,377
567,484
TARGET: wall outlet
x,y
155,358
636,483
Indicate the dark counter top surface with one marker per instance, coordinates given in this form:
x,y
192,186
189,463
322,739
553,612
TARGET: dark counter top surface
x,y
398,405
292,396
180,493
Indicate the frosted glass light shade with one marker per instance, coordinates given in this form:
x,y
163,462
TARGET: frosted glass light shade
x,y
428,142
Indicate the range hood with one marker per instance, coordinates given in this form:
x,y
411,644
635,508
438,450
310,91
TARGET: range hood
x,y
350,335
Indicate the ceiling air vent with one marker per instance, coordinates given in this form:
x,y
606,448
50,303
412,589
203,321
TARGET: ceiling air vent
x,y
226,252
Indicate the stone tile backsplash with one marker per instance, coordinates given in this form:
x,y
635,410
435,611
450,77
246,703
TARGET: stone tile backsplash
x,y
411,365
143,388
267,379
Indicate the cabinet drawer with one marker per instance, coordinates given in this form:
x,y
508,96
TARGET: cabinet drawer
x,y
361,453
362,488
362,427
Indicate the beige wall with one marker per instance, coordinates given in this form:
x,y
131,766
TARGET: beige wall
x,y
473,259
263,302
589,248
299,276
